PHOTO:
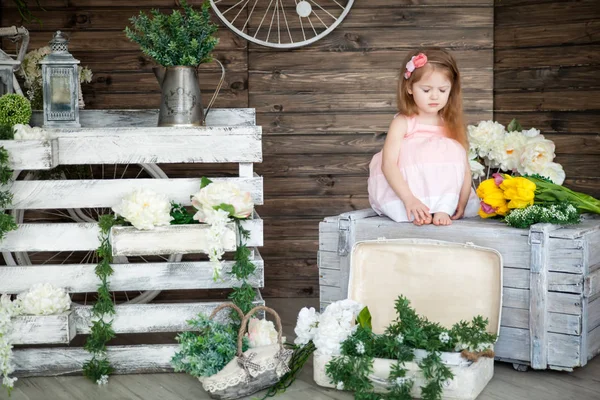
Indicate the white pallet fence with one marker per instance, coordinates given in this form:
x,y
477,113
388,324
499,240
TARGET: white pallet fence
x,y
123,137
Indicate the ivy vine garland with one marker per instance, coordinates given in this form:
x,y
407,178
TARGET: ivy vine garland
x,y
7,222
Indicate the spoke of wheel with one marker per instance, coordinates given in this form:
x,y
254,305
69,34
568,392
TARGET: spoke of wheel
x,y
272,19
263,19
233,6
250,15
335,19
124,170
51,258
341,6
319,18
278,28
301,24
57,214
85,299
312,26
286,23
66,258
239,12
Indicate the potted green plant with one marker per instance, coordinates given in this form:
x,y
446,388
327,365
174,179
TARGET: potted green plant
x,y
179,42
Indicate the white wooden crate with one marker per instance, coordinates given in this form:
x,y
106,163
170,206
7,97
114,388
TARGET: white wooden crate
x,y
551,290
123,137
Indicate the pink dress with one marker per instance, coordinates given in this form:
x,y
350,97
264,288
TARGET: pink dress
x,y
433,166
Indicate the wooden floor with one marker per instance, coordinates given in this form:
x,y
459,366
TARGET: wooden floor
x,y
507,384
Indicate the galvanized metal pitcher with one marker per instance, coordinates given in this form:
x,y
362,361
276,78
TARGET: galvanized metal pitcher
x,y
181,100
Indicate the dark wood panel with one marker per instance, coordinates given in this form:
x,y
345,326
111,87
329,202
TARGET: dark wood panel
x,y
354,122
278,269
116,41
291,287
576,144
563,100
547,15
547,35
329,144
371,101
330,80
134,61
321,185
552,56
359,39
580,165
369,59
548,78
133,82
554,121
277,228
394,17
312,206
290,248
590,186
125,101
314,164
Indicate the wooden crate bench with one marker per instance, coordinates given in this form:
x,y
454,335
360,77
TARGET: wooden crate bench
x,y
123,137
551,295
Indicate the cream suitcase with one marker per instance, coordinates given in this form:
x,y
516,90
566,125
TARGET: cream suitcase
x,y
445,282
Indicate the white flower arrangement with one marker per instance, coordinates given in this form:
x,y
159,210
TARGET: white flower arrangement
x,y
26,132
512,150
44,299
8,309
261,333
145,209
217,203
330,329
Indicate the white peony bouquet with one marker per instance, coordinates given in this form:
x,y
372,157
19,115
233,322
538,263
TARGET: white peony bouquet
x,y
511,150
328,330
26,132
261,332
44,299
216,204
145,209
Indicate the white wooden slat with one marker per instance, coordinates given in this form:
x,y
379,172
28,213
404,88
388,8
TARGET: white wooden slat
x,y
593,343
557,323
328,259
564,350
91,193
81,278
43,329
589,224
565,303
538,304
594,314
149,318
82,236
246,170
31,154
329,277
513,343
330,293
593,248
159,145
592,282
65,361
149,118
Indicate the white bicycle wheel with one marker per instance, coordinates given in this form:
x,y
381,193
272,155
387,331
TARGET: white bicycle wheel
x,y
283,24
39,259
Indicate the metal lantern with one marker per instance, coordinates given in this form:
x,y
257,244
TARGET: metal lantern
x,y
60,78
7,66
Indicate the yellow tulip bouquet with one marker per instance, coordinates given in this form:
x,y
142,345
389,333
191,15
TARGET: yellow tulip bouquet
x,y
527,200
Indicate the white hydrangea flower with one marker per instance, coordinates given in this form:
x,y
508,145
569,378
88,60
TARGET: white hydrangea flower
x,y
145,209
554,172
26,132
483,136
444,337
340,385
360,348
335,325
306,325
103,380
44,299
537,153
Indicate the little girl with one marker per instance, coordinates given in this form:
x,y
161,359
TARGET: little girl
x,y
422,174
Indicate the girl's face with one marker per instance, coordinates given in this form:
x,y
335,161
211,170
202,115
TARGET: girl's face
x,y
431,92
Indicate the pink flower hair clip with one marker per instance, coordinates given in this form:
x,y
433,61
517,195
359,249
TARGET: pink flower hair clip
x,y
415,62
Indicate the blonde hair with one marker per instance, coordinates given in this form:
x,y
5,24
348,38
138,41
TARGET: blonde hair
x,y
437,60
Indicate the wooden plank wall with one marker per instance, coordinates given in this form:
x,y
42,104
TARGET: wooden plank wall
x,y
546,74
324,109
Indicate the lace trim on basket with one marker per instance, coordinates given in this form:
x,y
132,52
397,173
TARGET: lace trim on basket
x,y
240,377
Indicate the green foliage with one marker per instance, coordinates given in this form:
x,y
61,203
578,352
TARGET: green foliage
x,y
410,331
25,12
101,330
176,39
299,358
228,208
244,294
6,132
364,318
563,213
207,349
204,182
14,109
514,125
181,216
7,222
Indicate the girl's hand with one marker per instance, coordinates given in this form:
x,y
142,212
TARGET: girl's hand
x,y
417,209
459,213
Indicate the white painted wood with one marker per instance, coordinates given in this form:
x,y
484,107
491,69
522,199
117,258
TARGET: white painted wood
x,y
159,145
594,314
513,344
329,277
149,118
81,278
330,294
592,282
515,318
31,154
328,260
91,193
593,248
43,329
64,361
557,323
564,350
593,343
147,318
538,238
246,170
590,223
82,236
